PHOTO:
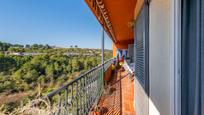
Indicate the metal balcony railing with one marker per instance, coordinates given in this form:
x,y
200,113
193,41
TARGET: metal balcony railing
x,y
78,96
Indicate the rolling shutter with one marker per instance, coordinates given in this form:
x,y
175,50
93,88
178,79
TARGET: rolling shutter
x,y
141,48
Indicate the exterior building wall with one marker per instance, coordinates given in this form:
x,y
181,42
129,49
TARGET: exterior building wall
x,y
140,60
114,48
159,57
141,99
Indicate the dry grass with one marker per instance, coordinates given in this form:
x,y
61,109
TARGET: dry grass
x,y
35,108
8,98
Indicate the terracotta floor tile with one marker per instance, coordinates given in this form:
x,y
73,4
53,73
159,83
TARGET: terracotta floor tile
x,y
121,101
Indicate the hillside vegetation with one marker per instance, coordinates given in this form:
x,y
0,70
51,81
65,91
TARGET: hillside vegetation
x,y
31,71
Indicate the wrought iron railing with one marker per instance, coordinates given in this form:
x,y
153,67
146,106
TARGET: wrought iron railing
x,y
78,96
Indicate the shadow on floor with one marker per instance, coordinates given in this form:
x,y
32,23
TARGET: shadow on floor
x,y
111,100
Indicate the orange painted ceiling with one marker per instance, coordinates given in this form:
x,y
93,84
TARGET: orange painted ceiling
x,y
121,16
121,13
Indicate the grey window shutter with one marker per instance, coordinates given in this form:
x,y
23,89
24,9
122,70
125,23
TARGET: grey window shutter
x,y
140,48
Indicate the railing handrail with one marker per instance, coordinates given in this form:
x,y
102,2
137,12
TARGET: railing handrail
x,y
57,91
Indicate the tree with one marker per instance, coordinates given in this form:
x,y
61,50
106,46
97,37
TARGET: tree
x,y
34,46
18,76
49,71
4,46
7,64
47,46
75,64
42,80
27,46
69,68
31,76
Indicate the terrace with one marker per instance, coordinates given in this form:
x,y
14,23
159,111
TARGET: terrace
x,y
160,41
109,87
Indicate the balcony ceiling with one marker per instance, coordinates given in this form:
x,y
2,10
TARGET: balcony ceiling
x,y
116,17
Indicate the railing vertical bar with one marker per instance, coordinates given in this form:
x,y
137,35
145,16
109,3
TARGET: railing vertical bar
x,y
59,104
84,100
72,99
77,98
89,91
65,102
80,97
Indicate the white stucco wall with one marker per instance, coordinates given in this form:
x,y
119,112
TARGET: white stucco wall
x,y
159,57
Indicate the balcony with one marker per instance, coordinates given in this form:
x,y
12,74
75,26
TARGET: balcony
x,y
87,94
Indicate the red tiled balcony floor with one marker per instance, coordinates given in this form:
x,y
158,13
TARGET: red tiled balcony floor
x,y
121,99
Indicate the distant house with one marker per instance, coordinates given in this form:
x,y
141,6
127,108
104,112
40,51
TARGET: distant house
x,y
16,53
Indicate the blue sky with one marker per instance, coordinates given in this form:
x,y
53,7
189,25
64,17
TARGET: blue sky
x,y
55,22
